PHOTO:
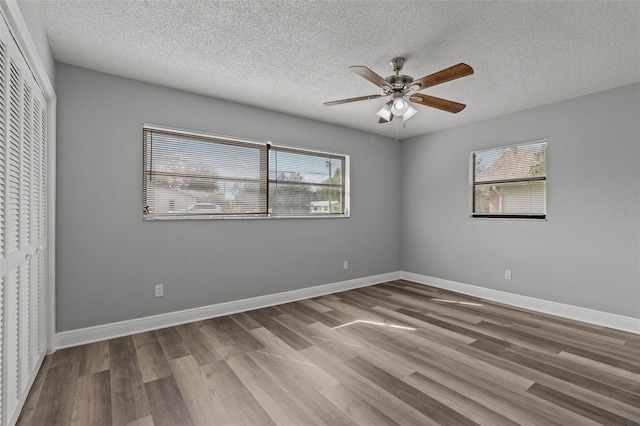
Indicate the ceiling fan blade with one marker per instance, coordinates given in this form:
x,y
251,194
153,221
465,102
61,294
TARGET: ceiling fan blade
x,y
365,72
432,101
448,74
344,101
382,120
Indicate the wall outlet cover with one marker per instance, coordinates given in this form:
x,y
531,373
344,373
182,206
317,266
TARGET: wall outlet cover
x,y
159,290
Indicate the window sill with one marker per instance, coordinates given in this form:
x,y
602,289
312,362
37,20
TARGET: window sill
x,y
502,218
151,218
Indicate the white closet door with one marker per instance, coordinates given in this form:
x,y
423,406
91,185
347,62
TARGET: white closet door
x,y
23,209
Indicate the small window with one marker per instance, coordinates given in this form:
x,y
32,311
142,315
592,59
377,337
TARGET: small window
x,y
195,175
510,181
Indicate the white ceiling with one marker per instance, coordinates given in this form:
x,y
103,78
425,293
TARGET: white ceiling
x,y
291,56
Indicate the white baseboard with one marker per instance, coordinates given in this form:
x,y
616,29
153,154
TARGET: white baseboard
x,y
618,322
82,336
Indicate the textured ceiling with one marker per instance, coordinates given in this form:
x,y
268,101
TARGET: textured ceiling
x,y
291,56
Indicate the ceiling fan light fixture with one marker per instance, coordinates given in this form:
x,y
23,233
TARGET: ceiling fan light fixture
x,y
411,111
400,106
385,112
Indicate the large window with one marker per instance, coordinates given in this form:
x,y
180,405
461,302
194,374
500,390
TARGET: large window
x,y
195,175
510,181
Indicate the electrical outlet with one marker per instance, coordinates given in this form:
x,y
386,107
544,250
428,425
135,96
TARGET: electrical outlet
x,y
345,265
159,288
507,274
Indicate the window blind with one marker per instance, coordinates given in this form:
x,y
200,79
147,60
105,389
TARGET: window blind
x,y
303,183
510,181
187,174
202,176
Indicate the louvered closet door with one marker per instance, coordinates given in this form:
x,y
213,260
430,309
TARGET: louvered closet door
x,y
23,287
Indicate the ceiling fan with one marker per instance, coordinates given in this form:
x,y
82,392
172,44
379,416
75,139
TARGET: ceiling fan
x,y
402,88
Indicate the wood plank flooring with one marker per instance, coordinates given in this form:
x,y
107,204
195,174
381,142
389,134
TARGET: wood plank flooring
x,y
397,353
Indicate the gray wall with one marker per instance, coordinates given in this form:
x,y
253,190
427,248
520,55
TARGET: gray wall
x,y
582,255
31,14
108,259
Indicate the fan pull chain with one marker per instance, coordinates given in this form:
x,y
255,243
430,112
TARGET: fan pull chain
x,y
396,131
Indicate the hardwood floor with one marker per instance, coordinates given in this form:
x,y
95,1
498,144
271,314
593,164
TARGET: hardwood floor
x,y
398,353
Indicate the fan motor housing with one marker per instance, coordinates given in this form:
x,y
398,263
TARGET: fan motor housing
x,y
399,81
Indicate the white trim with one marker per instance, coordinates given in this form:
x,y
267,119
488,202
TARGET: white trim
x,y
51,220
82,336
618,322
96,333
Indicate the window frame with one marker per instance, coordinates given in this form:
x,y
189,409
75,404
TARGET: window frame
x,y
264,179
510,216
